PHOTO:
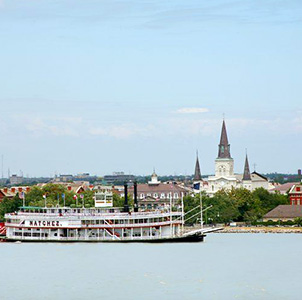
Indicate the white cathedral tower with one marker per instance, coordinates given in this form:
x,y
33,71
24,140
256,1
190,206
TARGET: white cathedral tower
x,y
224,166
224,163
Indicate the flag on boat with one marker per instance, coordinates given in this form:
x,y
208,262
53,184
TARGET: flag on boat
x,y
75,197
63,196
2,228
82,196
21,195
44,196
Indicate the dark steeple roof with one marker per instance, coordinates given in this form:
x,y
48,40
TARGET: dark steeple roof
x,y
246,174
224,146
197,174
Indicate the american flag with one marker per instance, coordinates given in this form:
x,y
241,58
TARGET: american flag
x,y
2,229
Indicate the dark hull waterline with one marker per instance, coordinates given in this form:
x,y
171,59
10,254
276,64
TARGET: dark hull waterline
x,y
182,239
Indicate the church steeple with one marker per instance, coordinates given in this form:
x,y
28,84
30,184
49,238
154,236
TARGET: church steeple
x,y
246,174
197,174
224,146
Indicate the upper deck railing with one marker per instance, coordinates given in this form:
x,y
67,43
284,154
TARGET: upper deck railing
x,y
92,215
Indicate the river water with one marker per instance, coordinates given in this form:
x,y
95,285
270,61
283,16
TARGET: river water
x,y
225,266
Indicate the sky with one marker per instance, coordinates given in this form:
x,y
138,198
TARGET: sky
x,y
100,86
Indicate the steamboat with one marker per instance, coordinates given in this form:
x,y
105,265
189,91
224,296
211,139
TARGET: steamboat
x,y
99,224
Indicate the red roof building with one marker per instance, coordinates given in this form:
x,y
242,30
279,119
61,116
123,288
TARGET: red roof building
x,y
295,194
12,192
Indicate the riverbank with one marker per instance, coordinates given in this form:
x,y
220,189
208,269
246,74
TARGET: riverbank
x,y
260,229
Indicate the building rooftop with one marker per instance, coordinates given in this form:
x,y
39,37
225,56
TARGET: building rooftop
x,y
296,189
283,188
285,211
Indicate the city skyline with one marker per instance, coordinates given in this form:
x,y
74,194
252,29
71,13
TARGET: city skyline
x,y
108,86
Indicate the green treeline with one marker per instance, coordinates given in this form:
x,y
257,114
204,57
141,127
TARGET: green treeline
x,y
239,205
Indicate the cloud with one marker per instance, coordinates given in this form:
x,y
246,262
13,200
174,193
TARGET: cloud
x,y
123,131
66,126
297,124
188,127
237,11
119,132
191,110
181,124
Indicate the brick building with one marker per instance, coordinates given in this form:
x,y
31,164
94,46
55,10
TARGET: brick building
x,y
295,195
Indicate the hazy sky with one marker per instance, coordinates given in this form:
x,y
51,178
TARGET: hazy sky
x,y
104,85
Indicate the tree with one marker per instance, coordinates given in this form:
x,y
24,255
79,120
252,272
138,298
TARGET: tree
x,y
298,221
119,201
9,205
190,203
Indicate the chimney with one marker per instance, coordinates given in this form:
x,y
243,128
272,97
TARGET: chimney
x,y
126,206
5,190
19,189
135,197
27,189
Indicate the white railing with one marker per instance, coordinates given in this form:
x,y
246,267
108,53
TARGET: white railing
x,y
106,216
93,226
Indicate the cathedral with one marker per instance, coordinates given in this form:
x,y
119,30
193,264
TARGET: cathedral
x,y
224,177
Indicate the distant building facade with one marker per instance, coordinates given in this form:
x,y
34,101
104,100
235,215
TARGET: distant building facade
x,y
15,179
118,178
295,195
156,194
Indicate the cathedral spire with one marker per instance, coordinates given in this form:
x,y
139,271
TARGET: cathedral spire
x,y
246,174
197,174
224,146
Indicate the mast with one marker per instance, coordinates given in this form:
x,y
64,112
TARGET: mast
x,y
182,213
171,227
201,219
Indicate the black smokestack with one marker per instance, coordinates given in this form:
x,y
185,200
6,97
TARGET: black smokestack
x,y
126,206
135,197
